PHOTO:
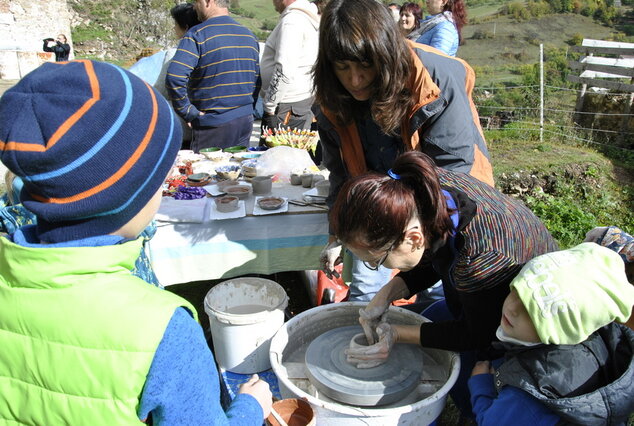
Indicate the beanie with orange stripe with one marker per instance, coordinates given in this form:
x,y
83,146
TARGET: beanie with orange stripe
x,y
92,143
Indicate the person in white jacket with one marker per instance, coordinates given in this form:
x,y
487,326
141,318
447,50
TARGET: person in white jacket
x,y
289,54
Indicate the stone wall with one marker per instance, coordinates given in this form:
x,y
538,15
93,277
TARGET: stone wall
x,y
23,26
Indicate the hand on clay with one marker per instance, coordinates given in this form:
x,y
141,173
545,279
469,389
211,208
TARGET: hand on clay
x,y
377,354
371,316
329,258
259,389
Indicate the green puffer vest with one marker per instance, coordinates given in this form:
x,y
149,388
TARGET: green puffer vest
x,y
78,334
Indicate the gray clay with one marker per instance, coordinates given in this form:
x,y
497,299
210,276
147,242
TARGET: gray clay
x,y
330,372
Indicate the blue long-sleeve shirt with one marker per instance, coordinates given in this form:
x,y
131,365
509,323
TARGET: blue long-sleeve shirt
x,y
443,36
215,70
182,386
512,406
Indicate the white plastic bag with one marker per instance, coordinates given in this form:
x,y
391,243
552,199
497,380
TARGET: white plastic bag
x,y
280,161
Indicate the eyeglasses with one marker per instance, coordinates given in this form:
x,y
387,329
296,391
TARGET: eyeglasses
x,y
374,266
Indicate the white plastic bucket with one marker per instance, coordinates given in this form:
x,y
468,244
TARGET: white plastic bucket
x,y
421,407
244,314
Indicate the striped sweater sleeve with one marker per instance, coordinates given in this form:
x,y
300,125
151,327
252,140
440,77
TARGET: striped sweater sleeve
x,y
178,73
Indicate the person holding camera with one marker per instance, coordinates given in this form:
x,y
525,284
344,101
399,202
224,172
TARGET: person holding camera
x,y
60,47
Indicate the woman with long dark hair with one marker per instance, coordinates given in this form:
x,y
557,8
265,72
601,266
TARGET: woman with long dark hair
x,y
433,224
381,95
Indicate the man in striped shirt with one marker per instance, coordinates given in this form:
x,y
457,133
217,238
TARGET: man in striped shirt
x,y
213,79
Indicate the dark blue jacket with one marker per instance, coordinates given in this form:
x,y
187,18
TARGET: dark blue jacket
x,y
589,383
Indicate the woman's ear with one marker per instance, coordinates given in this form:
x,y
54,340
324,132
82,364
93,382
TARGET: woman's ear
x,y
415,238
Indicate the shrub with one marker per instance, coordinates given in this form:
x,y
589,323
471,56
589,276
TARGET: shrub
x,y
481,34
576,39
517,10
268,25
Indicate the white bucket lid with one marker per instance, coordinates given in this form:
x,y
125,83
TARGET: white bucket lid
x,y
245,291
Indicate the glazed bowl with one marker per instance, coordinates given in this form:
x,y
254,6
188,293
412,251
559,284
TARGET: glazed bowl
x,y
234,149
198,179
230,172
226,204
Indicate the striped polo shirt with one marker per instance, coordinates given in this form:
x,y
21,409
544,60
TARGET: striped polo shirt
x,y
216,71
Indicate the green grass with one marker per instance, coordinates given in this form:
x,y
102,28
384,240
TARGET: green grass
x,y
477,12
518,42
578,187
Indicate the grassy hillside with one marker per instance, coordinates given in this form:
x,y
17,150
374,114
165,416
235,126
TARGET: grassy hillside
x,y
505,42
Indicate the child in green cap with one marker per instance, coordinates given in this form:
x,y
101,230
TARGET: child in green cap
x,y
566,359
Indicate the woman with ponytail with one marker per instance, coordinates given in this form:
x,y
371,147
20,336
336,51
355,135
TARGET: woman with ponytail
x,y
434,224
443,28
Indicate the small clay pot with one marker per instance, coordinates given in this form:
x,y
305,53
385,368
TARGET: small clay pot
x,y
323,188
307,180
294,411
317,178
262,184
226,204
296,179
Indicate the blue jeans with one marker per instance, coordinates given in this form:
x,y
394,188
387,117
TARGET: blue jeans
x,y
438,312
365,282
232,133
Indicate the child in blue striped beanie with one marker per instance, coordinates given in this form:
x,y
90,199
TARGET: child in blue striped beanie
x,y
84,341
566,359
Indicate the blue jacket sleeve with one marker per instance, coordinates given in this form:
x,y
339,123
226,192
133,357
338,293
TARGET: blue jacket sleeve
x,y
178,73
511,407
443,37
183,388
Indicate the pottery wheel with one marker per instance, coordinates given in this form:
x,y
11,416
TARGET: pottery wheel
x,y
328,370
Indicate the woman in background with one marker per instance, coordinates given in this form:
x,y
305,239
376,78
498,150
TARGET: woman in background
x,y
442,29
409,22
60,47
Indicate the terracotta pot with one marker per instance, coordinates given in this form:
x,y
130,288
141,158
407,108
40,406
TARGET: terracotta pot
x,y
295,412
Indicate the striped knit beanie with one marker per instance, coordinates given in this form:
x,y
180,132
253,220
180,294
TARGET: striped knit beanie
x,y
92,142
570,294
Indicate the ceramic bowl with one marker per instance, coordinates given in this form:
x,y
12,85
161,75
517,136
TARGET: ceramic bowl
x,y
217,155
207,151
249,168
246,155
198,179
270,203
234,149
230,172
240,191
223,184
226,204
294,411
